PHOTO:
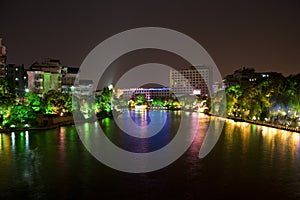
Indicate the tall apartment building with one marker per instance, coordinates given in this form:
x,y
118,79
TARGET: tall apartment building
x,y
193,81
45,76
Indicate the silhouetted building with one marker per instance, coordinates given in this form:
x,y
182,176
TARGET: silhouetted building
x,y
17,77
246,76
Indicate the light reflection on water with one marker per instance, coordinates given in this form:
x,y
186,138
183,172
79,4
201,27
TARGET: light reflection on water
x,y
252,160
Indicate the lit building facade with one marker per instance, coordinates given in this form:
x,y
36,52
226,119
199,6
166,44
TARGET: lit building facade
x,y
69,75
193,81
84,88
45,77
150,93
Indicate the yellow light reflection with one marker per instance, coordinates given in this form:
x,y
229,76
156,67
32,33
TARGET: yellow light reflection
x,y
296,138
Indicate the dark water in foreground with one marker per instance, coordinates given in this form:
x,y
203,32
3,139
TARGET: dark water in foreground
x,y
248,162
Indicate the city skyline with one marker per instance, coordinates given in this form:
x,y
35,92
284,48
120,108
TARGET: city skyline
x,y
262,35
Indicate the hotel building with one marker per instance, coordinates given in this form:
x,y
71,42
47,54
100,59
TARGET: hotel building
x,y
193,81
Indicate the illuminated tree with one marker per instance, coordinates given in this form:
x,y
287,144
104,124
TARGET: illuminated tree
x,y
188,101
141,99
21,115
104,102
57,103
233,94
34,101
7,100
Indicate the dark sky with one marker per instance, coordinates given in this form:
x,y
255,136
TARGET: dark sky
x,y
260,34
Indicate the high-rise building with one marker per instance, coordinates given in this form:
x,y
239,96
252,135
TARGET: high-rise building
x,y
193,81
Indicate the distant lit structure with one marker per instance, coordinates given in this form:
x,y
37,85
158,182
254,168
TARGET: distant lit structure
x,y
193,81
69,75
84,88
150,93
218,86
45,76
17,77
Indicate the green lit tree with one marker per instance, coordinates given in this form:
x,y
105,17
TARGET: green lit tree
x,y
57,103
21,115
140,99
7,100
104,102
34,101
233,94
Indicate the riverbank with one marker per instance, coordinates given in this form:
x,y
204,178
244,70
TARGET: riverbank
x,y
55,122
68,120
281,127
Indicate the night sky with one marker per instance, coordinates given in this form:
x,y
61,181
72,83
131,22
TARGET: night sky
x,y
260,34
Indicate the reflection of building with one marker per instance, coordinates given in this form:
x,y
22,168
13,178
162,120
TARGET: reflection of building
x,y
150,93
195,80
246,76
17,77
68,79
45,77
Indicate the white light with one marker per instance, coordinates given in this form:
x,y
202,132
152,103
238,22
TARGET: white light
x,y
110,87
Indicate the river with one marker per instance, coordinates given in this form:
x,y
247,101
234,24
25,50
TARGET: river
x,y
248,162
